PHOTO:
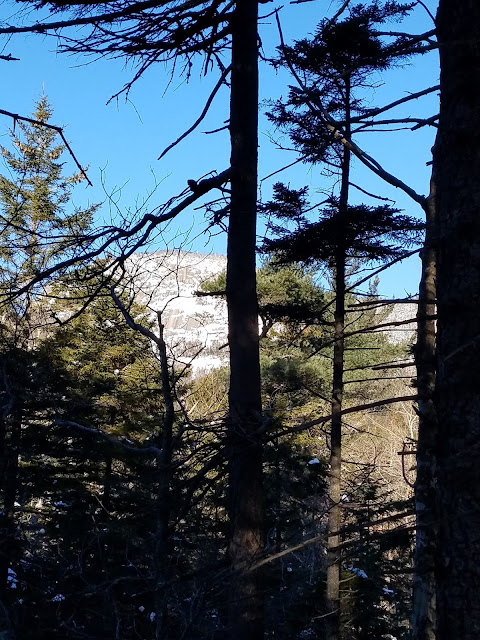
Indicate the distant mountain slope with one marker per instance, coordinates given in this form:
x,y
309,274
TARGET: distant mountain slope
x,y
196,327
401,313
166,281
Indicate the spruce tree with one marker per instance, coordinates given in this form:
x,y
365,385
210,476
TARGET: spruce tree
x,y
38,225
330,68
345,235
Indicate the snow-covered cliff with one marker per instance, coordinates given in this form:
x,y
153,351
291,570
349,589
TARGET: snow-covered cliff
x,y
196,327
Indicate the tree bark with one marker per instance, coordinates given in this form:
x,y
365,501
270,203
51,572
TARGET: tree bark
x,y
10,489
245,407
423,614
457,166
162,552
335,473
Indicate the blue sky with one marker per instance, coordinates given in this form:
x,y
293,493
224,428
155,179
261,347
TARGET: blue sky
x,y
120,142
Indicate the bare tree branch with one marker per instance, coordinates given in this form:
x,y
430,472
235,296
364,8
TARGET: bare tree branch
x,y
356,409
212,95
108,438
59,130
115,234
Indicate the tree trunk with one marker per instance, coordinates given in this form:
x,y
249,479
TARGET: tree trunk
x,y
457,167
162,552
245,464
423,615
335,474
10,489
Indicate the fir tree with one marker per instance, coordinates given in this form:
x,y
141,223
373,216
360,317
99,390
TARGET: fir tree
x,y
38,223
330,68
37,226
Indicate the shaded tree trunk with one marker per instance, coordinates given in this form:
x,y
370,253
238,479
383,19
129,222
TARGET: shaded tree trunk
x,y
245,464
4,519
457,166
10,488
335,474
423,615
164,506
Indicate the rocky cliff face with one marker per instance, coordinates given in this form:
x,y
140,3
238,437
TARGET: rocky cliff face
x,y
402,313
196,327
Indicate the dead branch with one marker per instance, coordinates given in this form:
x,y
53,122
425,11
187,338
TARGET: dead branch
x,y
116,234
370,113
201,117
59,130
114,442
356,409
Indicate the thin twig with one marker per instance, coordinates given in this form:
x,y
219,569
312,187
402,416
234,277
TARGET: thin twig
x,y
201,117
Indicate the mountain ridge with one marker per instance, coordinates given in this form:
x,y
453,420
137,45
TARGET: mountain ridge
x,y
196,327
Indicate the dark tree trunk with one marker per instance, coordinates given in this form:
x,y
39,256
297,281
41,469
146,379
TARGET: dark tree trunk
x,y
457,167
423,616
107,484
162,553
245,470
335,474
5,528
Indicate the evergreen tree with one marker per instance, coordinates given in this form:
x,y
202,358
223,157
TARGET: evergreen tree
x,y
344,235
87,484
182,31
296,349
319,125
330,68
36,229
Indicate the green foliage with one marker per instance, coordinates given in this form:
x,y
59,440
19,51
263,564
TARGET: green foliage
x,y
364,233
376,575
288,295
340,56
113,369
36,225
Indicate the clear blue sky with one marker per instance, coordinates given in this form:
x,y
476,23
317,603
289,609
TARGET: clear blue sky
x,y
120,142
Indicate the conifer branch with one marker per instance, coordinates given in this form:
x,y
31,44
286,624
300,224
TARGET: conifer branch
x,y
59,130
335,128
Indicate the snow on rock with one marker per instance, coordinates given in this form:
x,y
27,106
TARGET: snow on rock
x,y
401,313
195,327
